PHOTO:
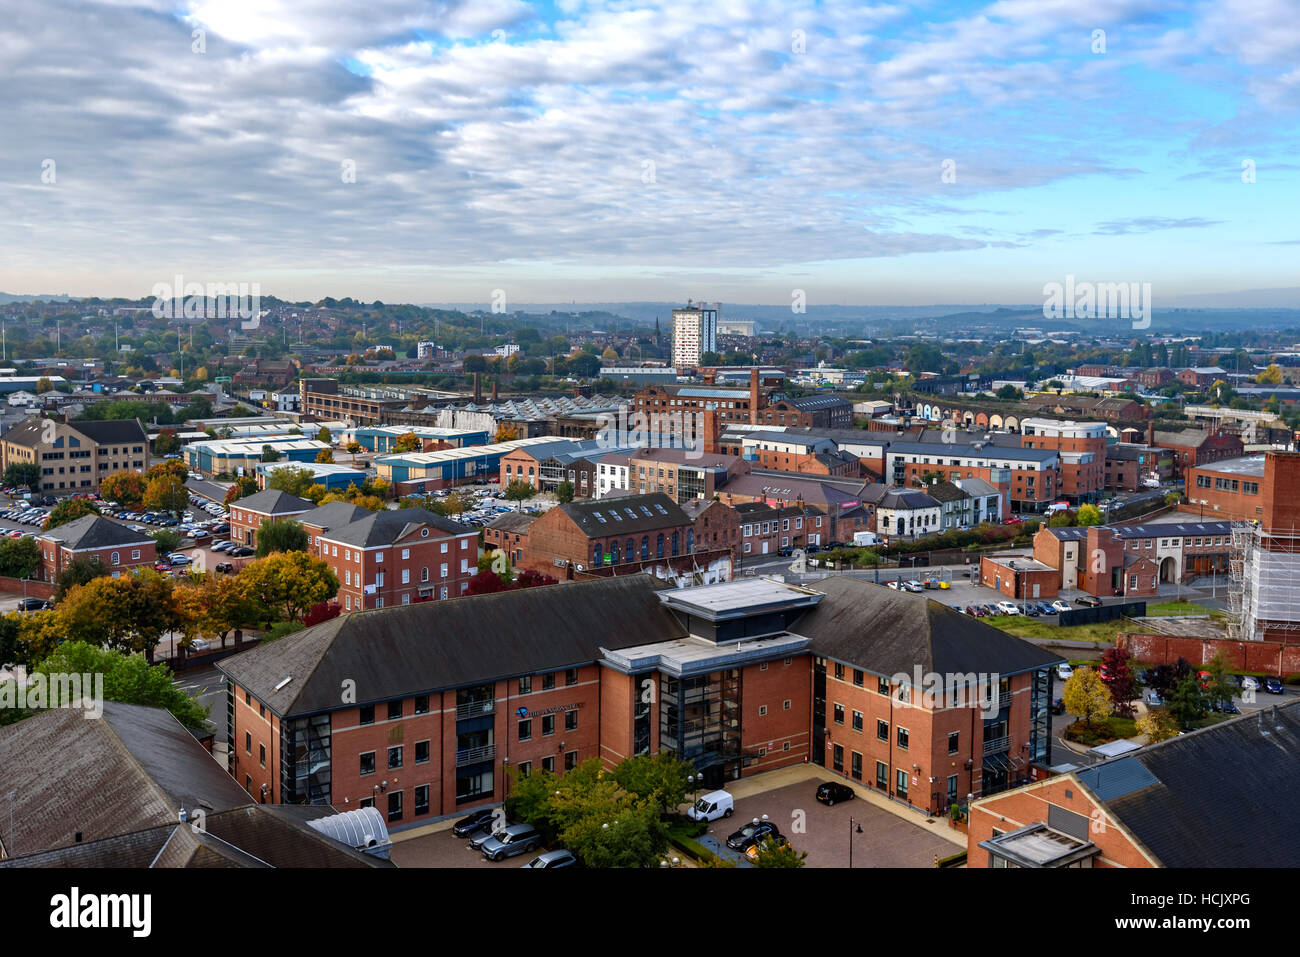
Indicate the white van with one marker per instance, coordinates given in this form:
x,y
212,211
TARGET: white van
x,y
712,806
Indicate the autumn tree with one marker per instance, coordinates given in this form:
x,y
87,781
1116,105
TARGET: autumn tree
x,y
167,442
165,494
1157,725
173,469
1120,679
325,457
226,606
1270,376
1086,695
243,485
69,510
353,448
285,535
772,854
506,433
125,488
410,442
1088,515
288,583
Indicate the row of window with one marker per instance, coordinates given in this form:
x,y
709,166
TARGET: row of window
x,y
548,725
882,773
548,681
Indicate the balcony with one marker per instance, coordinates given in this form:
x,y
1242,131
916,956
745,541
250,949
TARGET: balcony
x,y
464,756
473,709
994,745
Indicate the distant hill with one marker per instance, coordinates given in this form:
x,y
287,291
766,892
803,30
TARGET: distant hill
x,y
6,298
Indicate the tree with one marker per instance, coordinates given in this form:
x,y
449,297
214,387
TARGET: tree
x,y
269,454
1086,695
325,457
293,479
474,363
519,491
1157,725
172,469
353,448
289,583
125,488
128,678
1162,678
564,492
660,779
285,535
43,385
505,433
324,436
1219,688
1173,498
1186,702
167,442
409,442
1120,679
321,612
166,541
1009,391
69,510
1270,376
77,572
19,557
20,474
243,485
226,606
1061,520
771,854
165,494
1088,515
130,613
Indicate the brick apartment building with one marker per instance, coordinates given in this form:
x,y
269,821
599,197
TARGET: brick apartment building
x,y
628,530
681,474
771,530
748,676
326,518
1199,378
1082,447
509,533
1193,447
799,452
399,556
1133,559
1154,807
116,547
76,456
269,505
1030,477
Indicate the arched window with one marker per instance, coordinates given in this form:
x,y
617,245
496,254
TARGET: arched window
x,y
675,543
659,546
613,553
595,554
115,558
645,547
631,550
690,539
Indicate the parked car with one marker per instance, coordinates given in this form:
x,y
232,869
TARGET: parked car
x,y
1153,698
831,792
1225,707
225,568
512,840
752,834
1058,705
472,823
1060,605
241,551
553,859
990,610
34,604
712,806
1090,601
1029,608
1045,608
1007,608
959,609
1273,685
974,611
1064,671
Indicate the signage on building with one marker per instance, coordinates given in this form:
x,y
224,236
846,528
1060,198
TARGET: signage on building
x,y
525,713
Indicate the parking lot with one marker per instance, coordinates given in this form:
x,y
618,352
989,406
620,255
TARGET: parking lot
x,y
443,849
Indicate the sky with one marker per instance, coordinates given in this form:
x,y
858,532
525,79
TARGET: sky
x,y
858,153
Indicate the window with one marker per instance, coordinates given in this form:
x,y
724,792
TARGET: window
x,y
367,762
837,757
570,721
406,554
406,576
548,681
882,730
882,775
857,677
421,752
882,686
571,676
570,760
855,765
902,739
526,684
422,799
952,788
368,714
525,730
261,754
525,768
785,705
394,710
857,721
900,789
248,743
395,806
548,764
953,742
394,757
839,713
422,704
548,725
839,672
762,710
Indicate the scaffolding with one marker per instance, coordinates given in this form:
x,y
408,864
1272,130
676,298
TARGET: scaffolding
x,y
1265,592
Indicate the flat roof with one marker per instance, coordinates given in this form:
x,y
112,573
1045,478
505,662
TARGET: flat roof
x,y
728,599
1037,845
1246,465
1018,564
689,656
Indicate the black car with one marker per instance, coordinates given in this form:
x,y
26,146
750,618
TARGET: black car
x,y
34,604
474,822
752,834
1225,707
1090,601
832,792
1058,706
1273,685
242,551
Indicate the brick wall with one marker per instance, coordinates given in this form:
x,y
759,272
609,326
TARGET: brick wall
x,y
1269,657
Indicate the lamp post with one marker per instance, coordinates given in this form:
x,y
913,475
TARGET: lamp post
x,y
854,828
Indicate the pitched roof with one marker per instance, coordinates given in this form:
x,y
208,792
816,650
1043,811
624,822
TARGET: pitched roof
x,y
412,649
273,501
333,515
133,769
1211,798
112,431
889,632
94,531
630,514
512,521
391,526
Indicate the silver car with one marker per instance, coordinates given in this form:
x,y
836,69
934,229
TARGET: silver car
x,y
552,859
512,840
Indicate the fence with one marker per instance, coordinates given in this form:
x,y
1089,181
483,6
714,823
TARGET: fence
x,y
1092,616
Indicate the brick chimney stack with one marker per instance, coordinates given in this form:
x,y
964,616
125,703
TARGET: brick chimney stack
x,y
494,391
754,392
478,389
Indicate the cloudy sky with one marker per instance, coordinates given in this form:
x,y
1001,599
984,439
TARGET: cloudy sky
x,y
434,151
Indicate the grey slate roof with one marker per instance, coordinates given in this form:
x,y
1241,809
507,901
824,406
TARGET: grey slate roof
x,y
512,522
112,431
272,501
132,770
333,515
412,649
390,526
887,632
95,531
635,514
1218,797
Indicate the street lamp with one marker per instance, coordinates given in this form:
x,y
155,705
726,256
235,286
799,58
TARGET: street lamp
x,y
854,828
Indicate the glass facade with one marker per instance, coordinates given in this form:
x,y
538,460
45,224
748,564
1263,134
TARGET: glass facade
x,y
699,720
305,760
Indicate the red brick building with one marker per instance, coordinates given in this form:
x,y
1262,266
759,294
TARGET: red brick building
x,y
399,556
1193,447
1229,489
1019,579
628,530
93,537
746,677
269,505
716,525
509,533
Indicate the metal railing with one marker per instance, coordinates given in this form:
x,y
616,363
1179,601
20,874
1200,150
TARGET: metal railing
x,y
465,756
472,709
997,744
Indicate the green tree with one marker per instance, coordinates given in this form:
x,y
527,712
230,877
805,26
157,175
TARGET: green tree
x,y
520,491
69,510
22,473
78,572
324,435
1088,515
772,854
19,557
564,492
293,479
289,583
166,541
1186,702
270,454
1173,498
1219,688
128,678
285,535
660,779
1061,520
243,485
167,442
